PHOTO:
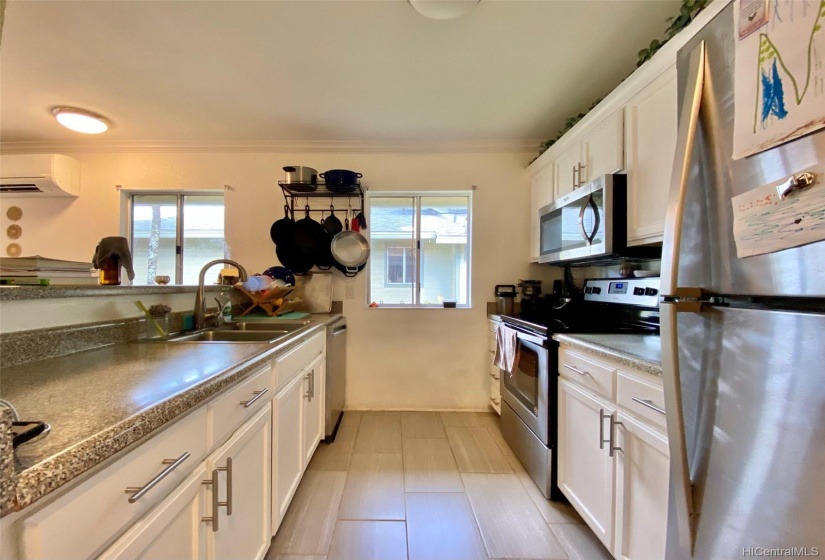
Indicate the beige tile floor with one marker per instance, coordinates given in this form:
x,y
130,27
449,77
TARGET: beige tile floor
x,y
425,486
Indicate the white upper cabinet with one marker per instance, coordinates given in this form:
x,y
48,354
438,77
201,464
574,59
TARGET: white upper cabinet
x,y
603,148
650,140
567,167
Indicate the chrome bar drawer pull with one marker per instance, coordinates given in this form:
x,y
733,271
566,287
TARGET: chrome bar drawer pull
x,y
215,503
648,403
312,382
494,401
257,395
602,417
308,394
139,492
577,370
613,447
228,470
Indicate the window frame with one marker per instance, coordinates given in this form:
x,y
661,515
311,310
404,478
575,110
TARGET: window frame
x,y
404,270
127,223
416,291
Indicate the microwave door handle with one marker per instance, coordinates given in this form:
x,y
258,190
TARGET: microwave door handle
x,y
597,220
581,221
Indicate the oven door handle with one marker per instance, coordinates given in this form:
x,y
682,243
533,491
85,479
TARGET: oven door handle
x,y
538,341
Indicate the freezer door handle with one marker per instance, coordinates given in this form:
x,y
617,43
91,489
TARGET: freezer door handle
x,y
677,439
685,141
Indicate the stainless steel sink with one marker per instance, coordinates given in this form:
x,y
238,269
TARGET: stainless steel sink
x,y
280,326
229,336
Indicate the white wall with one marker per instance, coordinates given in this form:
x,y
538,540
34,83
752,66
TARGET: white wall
x,y
397,359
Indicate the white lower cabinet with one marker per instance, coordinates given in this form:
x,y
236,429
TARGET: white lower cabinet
x,y
314,379
172,530
613,461
221,510
585,468
642,474
492,370
239,504
288,458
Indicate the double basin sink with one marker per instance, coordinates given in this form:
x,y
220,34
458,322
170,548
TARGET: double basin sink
x,y
238,332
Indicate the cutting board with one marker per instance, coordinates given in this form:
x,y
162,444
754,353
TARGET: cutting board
x,y
317,294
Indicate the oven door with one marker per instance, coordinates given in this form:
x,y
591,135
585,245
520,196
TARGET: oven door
x,y
526,389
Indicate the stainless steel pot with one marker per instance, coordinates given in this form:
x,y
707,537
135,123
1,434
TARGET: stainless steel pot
x,y
298,174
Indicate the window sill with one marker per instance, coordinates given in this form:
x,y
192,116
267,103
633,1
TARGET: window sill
x,y
387,306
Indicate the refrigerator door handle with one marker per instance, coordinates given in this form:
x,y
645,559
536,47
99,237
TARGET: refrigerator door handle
x,y
685,140
677,440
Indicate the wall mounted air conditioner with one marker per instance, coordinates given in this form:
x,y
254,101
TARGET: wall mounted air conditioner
x,y
40,175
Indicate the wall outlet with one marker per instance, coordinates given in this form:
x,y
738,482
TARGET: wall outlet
x,y
350,294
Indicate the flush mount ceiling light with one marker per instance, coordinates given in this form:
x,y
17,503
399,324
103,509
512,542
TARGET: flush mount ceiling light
x,y
443,9
80,120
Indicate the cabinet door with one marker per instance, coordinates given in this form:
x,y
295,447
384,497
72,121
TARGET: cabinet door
x,y
288,437
651,144
243,529
314,406
585,469
173,529
642,471
566,177
603,147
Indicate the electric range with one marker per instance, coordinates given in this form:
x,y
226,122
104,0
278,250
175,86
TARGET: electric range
x,y
529,412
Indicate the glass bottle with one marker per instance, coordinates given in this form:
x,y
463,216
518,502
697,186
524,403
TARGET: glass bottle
x,y
110,272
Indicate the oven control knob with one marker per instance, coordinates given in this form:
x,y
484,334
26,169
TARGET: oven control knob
x,y
597,290
638,291
651,291
588,290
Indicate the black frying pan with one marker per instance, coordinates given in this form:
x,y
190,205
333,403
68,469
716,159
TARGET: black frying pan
x,y
282,230
332,224
293,258
310,236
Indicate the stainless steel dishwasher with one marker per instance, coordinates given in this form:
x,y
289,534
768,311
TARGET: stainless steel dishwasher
x,y
336,376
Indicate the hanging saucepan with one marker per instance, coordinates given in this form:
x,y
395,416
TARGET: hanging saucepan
x,y
282,230
309,234
350,250
332,224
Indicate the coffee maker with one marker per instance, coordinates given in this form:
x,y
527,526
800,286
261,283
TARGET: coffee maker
x,y
531,300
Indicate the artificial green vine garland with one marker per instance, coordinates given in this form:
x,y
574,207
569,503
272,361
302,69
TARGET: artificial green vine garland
x,y
687,13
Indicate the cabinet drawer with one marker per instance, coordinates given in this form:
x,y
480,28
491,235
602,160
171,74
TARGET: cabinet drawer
x,y
629,387
495,373
228,411
79,523
595,376
290,364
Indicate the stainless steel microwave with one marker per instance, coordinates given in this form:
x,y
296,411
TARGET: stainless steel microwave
x,y
589,226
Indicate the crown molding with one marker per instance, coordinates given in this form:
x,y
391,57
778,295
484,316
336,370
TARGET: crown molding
x,y
299,146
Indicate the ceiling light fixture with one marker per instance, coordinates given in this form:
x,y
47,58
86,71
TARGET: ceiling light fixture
x,y
80,120
443,9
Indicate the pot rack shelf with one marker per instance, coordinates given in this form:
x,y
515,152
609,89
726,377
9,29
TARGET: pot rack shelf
x,y
295,192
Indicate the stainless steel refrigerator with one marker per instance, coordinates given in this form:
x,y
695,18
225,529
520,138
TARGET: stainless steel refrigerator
x,y
743,340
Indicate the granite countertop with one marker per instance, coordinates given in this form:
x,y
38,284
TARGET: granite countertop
x,y
99,402
22,292
640,351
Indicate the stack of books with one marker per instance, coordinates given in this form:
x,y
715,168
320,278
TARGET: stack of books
x,y
43,271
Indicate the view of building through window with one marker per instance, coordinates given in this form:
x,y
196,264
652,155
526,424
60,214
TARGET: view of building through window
x,y
419,249
175,235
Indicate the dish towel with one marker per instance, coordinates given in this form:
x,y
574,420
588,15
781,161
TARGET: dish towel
x,y
109,246
506,356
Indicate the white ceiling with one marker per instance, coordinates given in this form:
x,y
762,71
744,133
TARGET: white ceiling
x,y
313,74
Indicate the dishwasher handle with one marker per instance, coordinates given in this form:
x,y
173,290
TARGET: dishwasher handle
x,y
338,331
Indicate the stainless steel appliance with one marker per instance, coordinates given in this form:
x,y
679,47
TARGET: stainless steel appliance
x,y
336,376
742,339
589,225
505,296
529,414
